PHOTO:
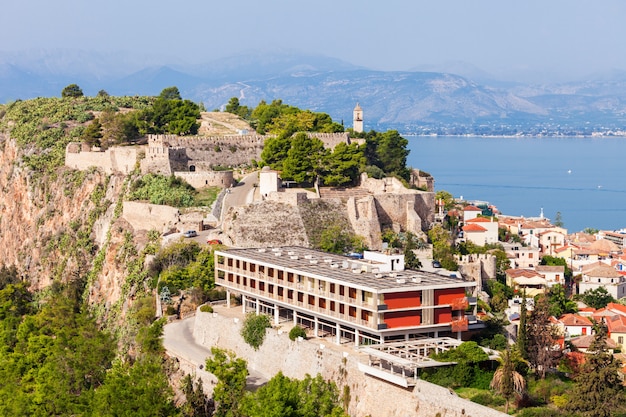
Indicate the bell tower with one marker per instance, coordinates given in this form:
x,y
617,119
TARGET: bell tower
x,y
357,122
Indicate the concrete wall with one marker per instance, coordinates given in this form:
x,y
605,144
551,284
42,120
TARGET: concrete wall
x,y
368,395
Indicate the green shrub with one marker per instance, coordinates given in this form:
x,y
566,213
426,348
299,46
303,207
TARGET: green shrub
x,y
253,330
483,398
538,412
170,311
206,308
297,332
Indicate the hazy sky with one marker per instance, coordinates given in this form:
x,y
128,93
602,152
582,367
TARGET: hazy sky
x,y
566,37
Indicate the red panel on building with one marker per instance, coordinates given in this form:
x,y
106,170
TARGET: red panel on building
x,y
447,296
403,299
403,319
443,315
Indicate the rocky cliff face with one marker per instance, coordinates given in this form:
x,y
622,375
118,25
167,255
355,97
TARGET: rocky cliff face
x,y
52,227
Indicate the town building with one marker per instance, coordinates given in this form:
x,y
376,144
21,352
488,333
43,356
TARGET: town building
x,y
602,275
357,119
373,300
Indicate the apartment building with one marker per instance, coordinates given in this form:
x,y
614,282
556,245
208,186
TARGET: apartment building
x,y
366,301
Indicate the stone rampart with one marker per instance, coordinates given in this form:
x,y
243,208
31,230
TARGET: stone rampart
x,y
364,220
366,395
220,150
201,179
331,140
118,159
145,216
480,267
293,199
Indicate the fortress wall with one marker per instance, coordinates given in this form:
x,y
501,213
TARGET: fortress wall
x,y
219,150
367,395
118,159
331,140
204,179
364,220
145,216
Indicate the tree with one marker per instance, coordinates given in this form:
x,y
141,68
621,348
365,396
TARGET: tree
x,y
522,336
305,159
170,93
344,164
231,373
598,389
92,133
597,298
140,389
558,220
391,153
506,380
541,338
286,397
196,402
559,304
72,90
253,330
102,93
410,260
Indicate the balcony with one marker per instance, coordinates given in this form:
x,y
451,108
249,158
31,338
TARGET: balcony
x,y
459,303
460,325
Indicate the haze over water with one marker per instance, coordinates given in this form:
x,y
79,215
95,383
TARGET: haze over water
x,y
582,178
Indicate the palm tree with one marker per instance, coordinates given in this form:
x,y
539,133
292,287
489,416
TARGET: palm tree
x,y
506,380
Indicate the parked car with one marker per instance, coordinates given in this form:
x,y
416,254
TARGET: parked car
x,y
436,264
214,242
190,233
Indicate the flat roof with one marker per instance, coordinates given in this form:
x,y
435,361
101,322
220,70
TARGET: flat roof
x,y
343,269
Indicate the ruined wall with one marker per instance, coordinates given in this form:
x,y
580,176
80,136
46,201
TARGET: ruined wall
x,y
367,395
220,150
364,219
144,216
118,159
400,210
479,267
201,179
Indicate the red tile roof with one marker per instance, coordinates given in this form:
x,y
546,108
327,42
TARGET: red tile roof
x,y
473,228
574,320
471,208
479,220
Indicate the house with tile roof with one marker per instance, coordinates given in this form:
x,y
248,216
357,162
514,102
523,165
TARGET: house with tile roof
x,y
617,237
482,230
575,325
526,280
550,240
554,274
525,257
603,275
471,212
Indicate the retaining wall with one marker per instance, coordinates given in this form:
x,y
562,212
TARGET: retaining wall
x,y
368,396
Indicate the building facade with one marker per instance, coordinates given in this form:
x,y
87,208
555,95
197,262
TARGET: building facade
x,y
370,300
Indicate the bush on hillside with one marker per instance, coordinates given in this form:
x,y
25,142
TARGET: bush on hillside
x,y
297,332
253,330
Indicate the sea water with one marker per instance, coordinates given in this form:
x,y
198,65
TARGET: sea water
x,y
584,179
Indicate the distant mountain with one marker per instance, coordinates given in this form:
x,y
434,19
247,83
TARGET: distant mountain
x,y
409,101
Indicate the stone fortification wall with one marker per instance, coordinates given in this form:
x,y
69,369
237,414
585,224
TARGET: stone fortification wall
x,y
144,216
421,181
367,395
331,140
220,150
411,212
118,159
201,179
479,267
265,223
293,199
364,220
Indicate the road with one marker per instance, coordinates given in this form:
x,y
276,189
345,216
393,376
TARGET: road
x,y
243,194
178,341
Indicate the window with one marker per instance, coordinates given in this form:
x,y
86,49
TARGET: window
x,y
620,340
530,256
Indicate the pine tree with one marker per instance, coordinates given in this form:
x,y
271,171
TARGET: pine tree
x,y
541,338
598,391
522,338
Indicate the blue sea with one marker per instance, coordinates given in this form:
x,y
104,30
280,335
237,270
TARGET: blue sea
x,y
582,178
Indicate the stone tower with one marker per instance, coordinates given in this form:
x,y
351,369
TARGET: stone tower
x,y
357,123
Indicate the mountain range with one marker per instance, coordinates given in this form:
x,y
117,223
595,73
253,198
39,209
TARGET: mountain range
x,y
466,101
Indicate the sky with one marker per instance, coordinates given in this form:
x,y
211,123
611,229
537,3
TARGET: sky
x,y
548,38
